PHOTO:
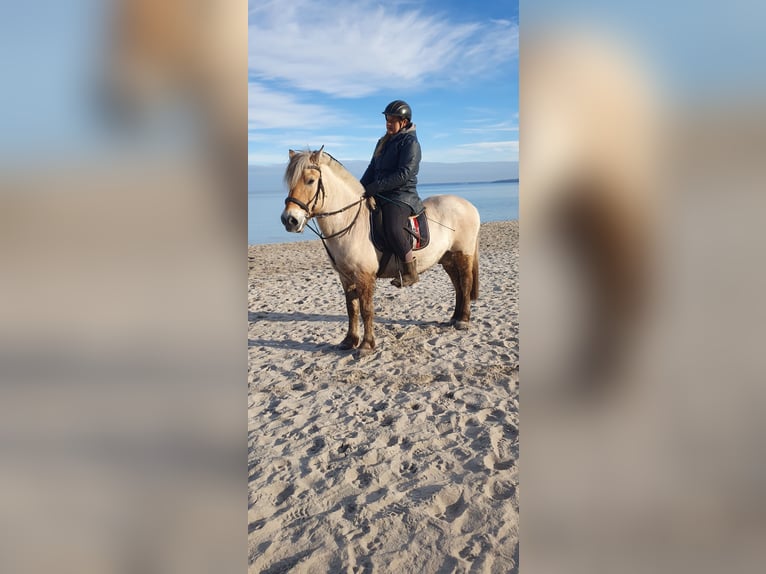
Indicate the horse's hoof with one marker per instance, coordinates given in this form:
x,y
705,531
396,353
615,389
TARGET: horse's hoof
x,y
364,350
347,344
461,325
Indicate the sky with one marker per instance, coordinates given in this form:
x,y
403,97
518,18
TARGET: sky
x,y
321,72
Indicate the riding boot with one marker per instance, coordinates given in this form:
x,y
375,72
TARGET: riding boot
x,y
410,275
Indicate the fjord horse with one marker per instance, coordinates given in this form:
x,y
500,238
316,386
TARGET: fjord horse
x,y
323,190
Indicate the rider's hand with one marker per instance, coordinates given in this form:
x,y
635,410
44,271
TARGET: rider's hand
x,y
370,189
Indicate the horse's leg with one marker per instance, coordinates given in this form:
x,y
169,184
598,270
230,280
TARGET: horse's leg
x,y
459,267
352,308
448,262
365,287
475,274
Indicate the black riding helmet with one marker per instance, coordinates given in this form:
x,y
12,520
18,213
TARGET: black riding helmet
x,y
398,108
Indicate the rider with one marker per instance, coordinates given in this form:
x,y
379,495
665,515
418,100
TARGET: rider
x,y
392,177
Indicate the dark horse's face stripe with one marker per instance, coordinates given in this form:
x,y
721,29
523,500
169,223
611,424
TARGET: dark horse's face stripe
x,y
306,192
305,188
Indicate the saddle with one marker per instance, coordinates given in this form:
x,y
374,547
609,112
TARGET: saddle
x,y
417,227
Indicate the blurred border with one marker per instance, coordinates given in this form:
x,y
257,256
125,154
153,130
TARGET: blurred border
x,y
641,185
123,358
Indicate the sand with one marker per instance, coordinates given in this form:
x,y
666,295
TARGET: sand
x,y
401,461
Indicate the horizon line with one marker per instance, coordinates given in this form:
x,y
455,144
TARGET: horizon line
x,y
422,162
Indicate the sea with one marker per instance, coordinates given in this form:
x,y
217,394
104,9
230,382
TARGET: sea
x,y
496,201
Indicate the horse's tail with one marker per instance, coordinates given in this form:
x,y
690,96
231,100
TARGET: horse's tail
x,y
475,273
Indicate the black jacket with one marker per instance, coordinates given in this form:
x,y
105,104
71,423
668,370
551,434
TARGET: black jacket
x,y
393,170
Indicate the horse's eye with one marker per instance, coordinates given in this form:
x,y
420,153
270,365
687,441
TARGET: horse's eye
x,y
310,182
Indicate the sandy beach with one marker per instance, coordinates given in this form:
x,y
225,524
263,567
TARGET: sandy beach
x,y
401,461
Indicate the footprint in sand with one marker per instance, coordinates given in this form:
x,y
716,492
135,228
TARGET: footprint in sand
x,y
284,495
297,514
374,545
471,552
503,456
358,477
449,503
257,525
275,494
375,496
499,489
349,507
388,420
453,511
318,445
369,544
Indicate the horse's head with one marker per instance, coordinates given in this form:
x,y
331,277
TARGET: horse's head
x,y
304,180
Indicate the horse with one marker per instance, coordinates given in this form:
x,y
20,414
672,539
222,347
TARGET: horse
x,y
320,188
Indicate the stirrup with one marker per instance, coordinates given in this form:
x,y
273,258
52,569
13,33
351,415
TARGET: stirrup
x,y
410,276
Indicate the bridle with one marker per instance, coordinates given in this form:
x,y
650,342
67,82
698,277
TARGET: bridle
x,y
313,202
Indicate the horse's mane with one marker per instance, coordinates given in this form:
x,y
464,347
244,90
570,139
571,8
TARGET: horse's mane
x,y
302,160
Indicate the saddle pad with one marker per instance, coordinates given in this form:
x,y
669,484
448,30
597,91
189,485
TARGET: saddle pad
x,y
417,227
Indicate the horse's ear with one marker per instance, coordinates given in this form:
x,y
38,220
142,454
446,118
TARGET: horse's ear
x,y
292,154
317,155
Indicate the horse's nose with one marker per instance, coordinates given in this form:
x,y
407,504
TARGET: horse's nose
x,y
289,220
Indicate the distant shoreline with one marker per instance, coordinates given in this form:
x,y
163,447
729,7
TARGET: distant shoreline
x,y
516,180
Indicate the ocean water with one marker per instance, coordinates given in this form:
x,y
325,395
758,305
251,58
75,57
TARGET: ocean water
x,y
495,202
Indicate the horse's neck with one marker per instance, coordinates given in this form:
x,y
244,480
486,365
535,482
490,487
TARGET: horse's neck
x,y
338,195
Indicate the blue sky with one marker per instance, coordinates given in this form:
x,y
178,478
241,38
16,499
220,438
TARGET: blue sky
x,y
321,72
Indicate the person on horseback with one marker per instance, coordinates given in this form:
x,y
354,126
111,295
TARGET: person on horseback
x,y
392,178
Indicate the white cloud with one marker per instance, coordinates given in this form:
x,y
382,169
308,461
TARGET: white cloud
x,y
471,152
353,49
492,127
261,159
488,151
271,109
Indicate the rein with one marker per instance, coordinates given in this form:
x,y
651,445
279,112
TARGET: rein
x,y
342,231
